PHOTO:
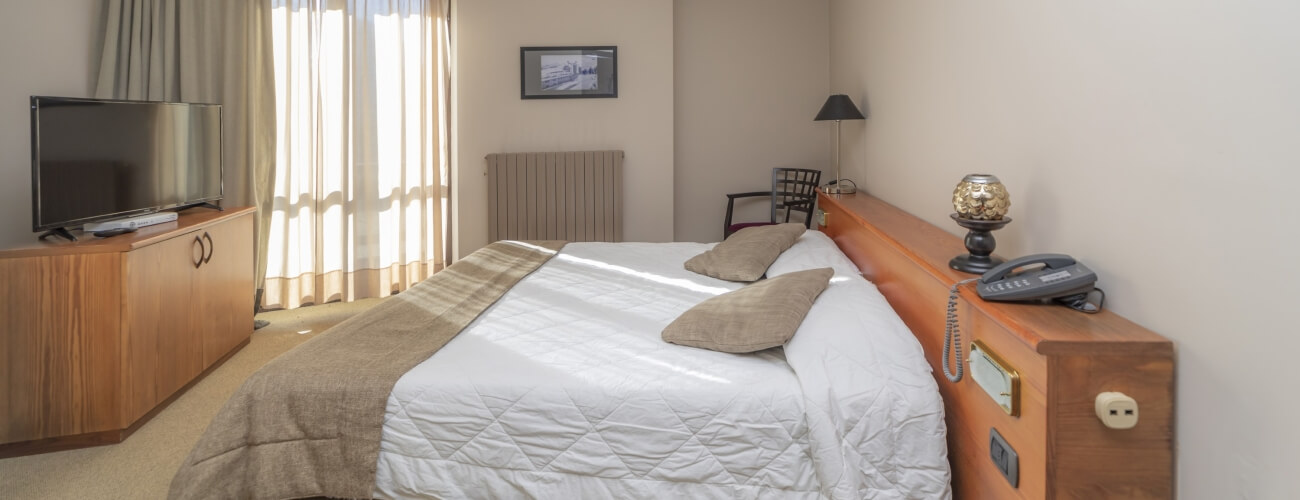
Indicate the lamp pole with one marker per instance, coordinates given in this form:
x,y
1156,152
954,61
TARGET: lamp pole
x,y
839,157
839,107
839,187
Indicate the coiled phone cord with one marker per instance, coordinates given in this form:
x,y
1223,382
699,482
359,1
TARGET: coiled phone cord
x,y
952,335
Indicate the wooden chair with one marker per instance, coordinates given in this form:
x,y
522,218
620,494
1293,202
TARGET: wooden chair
x,y
793,190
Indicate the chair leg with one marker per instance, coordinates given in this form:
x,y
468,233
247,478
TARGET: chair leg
x,y
726,223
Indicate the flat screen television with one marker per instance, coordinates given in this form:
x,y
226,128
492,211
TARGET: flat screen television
x,y
95,159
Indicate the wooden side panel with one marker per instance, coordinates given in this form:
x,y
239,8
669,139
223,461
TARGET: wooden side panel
x,y
1133,461
59,349
161,349
1064,359
223,292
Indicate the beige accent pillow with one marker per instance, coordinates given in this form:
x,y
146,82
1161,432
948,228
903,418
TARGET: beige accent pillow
x,y
753,318
747,253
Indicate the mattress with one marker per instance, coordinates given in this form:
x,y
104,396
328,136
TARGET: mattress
x,y
564,389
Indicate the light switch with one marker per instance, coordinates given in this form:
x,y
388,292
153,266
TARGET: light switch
x,y
1004,458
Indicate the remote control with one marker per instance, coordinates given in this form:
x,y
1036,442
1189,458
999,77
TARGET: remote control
x,y
113,232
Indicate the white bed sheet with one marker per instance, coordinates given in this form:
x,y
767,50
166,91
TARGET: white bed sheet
x,y
564,389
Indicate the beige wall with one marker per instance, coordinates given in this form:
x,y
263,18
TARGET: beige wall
x,y
1159,142
46,48
492,118
750,76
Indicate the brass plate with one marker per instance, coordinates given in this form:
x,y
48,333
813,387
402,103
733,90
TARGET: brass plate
x,y
1007,383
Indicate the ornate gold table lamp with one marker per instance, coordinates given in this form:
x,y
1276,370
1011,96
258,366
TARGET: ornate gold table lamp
x,y
981,203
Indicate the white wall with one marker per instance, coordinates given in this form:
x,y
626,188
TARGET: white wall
x,y
491,118
1158,141
750,77
48,47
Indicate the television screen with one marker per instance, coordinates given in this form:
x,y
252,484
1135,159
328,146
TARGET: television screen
x,y
99,159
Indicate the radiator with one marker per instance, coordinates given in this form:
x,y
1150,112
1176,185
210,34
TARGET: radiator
x,y
572,196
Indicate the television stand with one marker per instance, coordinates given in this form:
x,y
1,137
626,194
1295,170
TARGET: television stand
x,y
97,335
203,204
60,232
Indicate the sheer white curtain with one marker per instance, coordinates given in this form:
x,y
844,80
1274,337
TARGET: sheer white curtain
x,y
361,184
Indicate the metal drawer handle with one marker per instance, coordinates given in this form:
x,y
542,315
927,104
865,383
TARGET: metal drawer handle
x,y
198,262
211,247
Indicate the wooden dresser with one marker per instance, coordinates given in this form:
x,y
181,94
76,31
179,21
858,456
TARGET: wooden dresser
x,y
1064,358
100,334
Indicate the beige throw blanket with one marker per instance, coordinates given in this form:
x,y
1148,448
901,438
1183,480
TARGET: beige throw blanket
x,y
309,422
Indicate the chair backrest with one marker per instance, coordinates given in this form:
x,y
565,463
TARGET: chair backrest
x,y
793,189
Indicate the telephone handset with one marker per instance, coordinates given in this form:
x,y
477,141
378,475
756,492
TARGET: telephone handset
x,y
1059,278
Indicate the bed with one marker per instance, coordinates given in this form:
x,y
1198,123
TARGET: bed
x,y
563,388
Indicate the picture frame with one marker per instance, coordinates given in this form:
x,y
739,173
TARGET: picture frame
x,y
570,72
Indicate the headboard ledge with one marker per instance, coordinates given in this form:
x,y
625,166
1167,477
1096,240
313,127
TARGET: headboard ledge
x,y
1046,329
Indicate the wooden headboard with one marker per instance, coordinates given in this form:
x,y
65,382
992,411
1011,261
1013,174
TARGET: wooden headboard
x,y
1065,358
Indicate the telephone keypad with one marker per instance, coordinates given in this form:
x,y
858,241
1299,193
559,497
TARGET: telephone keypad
x,y
1010,285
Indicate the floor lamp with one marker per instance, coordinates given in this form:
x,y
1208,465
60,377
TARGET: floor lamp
x,y
839,107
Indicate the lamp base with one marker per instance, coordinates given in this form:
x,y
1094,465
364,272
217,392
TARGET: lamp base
x,y
974,264
980,243
838,189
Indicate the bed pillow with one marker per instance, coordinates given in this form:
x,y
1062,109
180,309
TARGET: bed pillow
x,y
753,318
811,251
747,253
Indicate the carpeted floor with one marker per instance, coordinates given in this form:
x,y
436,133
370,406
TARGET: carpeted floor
x,y
142,466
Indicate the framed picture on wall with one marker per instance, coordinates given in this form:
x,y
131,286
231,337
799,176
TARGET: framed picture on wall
x,y
568,72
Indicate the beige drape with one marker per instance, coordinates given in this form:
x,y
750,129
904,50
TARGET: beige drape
x,y
210,52
361,182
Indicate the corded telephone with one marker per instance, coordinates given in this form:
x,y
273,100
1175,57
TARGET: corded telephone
x,y
1059,278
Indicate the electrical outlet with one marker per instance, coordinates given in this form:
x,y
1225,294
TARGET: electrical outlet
x,y
1004,458
1116,410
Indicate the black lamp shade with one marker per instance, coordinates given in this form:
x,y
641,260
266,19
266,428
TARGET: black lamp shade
x,y
839,107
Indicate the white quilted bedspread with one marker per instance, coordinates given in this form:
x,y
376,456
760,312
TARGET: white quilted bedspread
x,y
564,389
